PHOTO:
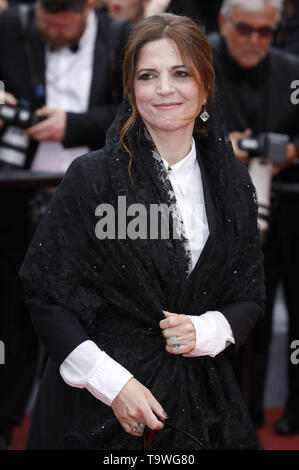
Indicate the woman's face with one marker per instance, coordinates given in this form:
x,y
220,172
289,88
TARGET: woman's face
x,y
167,96
125,9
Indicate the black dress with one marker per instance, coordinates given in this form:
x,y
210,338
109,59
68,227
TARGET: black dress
x,y
113,292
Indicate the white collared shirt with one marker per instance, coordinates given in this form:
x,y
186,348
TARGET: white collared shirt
x,y
91,368
185,178
68,82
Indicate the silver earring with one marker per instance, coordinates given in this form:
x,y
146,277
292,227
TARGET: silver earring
x,y
204,115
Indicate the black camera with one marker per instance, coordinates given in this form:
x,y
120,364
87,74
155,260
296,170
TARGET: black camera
x,y
269,145
18,116
14,142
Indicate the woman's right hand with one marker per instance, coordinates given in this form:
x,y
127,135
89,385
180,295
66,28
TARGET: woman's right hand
x,y
135,406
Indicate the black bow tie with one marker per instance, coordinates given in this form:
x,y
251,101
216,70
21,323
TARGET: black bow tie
x,y
74,47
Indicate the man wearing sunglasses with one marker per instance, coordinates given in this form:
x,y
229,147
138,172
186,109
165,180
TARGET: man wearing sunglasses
x,y
256,79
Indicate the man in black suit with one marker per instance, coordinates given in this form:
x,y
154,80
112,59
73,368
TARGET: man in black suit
x,y
256,88
49,29
62,60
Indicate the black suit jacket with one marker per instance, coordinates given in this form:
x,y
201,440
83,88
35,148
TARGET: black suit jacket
x,y
281,115
20,78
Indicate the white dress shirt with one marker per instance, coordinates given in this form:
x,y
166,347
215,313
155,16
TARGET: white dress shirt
x,y
68,82
91,368
185,178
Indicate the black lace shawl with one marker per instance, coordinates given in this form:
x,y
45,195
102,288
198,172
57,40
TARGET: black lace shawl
x,y
117,288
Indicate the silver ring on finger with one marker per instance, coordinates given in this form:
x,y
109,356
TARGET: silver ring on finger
x,y
138,427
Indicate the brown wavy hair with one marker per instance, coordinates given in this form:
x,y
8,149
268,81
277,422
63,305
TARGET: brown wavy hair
x,y
192,45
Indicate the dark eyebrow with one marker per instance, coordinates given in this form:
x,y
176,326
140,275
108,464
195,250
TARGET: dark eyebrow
x,y
154,70
146,70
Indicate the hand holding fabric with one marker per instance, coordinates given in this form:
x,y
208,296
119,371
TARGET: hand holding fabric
x,y
182,328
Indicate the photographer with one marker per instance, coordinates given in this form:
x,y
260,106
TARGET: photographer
x,y
60,62
55,57
255,80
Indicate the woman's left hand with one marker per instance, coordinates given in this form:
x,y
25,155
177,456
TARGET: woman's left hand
x,y
182,328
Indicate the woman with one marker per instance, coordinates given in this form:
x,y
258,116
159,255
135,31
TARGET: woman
x,y
137,312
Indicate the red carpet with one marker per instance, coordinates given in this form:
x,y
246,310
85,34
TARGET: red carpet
x,y
20,435
269,440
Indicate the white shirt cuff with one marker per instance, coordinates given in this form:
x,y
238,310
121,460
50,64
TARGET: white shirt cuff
x,y
213,334
87,366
